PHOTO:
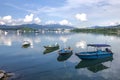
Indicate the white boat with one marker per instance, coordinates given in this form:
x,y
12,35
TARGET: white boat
x,y
26,44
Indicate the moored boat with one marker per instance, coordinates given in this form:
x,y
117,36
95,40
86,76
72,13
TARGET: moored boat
x,y
65,51
99,53
26,44
52,46
50,50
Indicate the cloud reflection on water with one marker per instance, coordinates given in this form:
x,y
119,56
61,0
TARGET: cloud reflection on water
x,y
10,39
82,44
64,39
5,41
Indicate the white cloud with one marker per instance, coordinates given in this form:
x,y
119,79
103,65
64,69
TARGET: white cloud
x,y
114,2
28,18
7,20
97,9
37,20
81,17
114,23
7,17
51,22
62,22
2,23
65,22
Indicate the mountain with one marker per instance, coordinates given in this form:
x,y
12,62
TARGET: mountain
x,y
112,26
56,26
36,26
116,26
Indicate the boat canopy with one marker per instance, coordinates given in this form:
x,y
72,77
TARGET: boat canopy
x,y
99,45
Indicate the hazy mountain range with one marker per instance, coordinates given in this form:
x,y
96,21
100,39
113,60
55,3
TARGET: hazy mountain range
x,y
113,26
36,26
49,26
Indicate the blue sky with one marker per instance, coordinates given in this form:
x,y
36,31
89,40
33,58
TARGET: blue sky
x,y
79,13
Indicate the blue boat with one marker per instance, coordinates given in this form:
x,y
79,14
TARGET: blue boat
x,y
65,51
99,53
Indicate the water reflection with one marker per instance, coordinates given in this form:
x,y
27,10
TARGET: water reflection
x,y
97,68
33,63
81,44
64,39
5,41
64,57
94,65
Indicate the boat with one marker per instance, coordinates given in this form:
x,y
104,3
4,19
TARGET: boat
x,y
26,44
97,54
50,50
51,46
65,51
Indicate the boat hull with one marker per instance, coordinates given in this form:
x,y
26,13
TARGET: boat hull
x,y
93,56
26,45
47,47
50,50
64,52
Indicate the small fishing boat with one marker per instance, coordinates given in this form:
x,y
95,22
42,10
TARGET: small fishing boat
x,y
26,44
99,53
51,46
50,50
65,51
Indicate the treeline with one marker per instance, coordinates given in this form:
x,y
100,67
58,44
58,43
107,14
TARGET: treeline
x,y
99,30
27,29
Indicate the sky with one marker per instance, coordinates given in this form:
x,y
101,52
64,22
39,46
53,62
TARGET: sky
x,y
78,13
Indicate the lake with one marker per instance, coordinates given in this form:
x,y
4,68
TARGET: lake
x,y
33,64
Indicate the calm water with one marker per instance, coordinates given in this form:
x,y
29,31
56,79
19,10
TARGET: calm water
x,y
33,64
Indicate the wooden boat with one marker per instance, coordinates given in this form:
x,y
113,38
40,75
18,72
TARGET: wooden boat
x,y
50,50
51,46
65,51
96,54
26,44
